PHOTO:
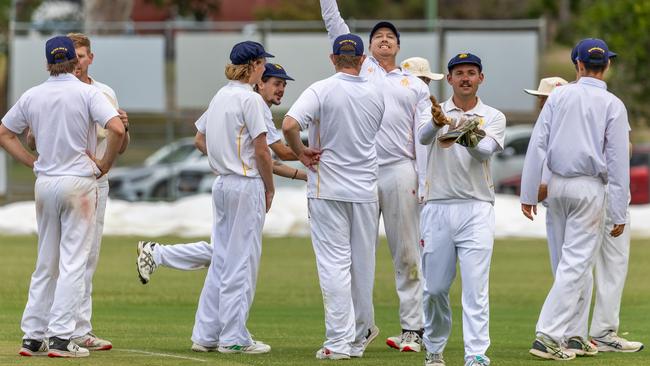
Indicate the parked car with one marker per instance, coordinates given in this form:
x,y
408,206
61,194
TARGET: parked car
x,y
509,163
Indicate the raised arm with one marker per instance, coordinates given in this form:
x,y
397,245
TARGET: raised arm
x,y
334,23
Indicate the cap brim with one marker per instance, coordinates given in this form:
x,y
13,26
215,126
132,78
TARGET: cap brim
x,y
266,54
434,76
612,54
536,93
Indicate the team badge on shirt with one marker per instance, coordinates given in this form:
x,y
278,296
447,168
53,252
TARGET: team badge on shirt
x,y
405,82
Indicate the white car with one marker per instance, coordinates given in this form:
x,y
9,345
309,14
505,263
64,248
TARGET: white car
x,y
508,164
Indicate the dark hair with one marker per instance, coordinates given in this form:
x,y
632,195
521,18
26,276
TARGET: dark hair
x,y
65,67
595,68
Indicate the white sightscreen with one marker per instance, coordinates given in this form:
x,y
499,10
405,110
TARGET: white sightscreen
x,y
201,59
133,66
510,63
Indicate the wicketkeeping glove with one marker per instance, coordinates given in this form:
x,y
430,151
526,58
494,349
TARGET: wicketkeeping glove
x,y
465,133
439,117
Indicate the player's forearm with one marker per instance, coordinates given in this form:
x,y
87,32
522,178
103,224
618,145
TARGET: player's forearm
x,y
264,164
291,130
484,150
114,140
125,142
10,142
427,132
286,171
283,152
618,171
334,23
199,142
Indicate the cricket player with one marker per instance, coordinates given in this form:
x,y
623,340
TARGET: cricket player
x,y
235,139
343,114
193,256
65,192
83,334
419,66
402,166
586,167
458,217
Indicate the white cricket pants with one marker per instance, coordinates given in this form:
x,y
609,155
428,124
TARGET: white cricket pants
x,y
86,307
575,207
463,230
65,215
186,257
343,236
610,271
239,209
398,203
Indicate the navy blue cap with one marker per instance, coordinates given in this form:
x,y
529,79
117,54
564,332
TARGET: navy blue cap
x,y
59,49
574,52
465,58
275,71
246,51
384,24
348,39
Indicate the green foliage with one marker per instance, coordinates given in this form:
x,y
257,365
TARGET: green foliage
x,y
625,26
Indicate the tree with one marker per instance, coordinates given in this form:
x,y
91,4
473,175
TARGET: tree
x,y
625,26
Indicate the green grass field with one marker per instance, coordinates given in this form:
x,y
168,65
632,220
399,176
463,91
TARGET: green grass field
x,y
152,324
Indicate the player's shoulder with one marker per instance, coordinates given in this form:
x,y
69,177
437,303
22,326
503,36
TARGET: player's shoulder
x,y
492,113
103,87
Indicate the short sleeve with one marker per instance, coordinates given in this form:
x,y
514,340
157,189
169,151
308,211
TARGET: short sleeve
x,y
101,110
272,134
306,109
202,122
15,119
254,109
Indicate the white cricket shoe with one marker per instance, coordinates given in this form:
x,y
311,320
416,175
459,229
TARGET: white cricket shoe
x,y
326,354
256,347
410,342
433,359
372,334
611,342
145,262
478,360
199,348
394,342
33,347
581,347
93,343
546,348
60,347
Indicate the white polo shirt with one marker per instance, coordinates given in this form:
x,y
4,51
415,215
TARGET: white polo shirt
x,y
343,114
235,117
62,114
273,135
452,173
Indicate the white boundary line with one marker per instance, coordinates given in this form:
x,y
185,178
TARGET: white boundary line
x,y
161,354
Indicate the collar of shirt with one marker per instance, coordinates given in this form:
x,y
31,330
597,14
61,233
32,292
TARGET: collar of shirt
x,y
62,77
478,110
239,84
398,70
349,77
586,80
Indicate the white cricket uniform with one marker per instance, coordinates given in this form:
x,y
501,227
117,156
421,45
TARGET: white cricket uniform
x,y
85,309
343,114
192,256
581,164
234,119
66,195
402,167
458,224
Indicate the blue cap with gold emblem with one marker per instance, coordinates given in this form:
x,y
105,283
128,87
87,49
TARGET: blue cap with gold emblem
x,y
247,51
275,71
465,58
351,40
59,49
592,51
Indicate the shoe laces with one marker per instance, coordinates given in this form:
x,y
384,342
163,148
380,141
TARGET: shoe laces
x,y
410,337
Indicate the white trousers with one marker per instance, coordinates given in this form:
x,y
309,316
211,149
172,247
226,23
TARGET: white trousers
x,y
463,231
239,210
575,210
398,204
186,257
86,307
65,215
343,236
610,271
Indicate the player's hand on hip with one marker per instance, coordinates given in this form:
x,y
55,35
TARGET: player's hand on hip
x,y
529,211
268,195
617,230
123,117
309,158
102,166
